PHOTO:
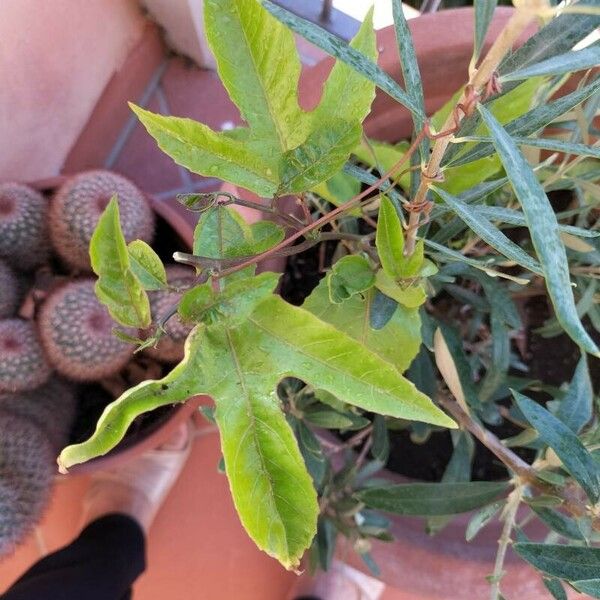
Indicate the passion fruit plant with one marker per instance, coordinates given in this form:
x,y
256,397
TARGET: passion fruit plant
x,y
409,224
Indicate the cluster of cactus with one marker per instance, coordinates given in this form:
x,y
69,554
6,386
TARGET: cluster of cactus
x,y
67,337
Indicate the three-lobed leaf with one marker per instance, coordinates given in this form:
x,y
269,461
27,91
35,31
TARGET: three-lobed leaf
x,y
240,368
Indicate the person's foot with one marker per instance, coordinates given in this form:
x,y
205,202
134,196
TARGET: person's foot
x,y
340,582
139,488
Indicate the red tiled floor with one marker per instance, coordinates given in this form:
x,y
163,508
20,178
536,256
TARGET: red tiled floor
x,y
198,94
142,161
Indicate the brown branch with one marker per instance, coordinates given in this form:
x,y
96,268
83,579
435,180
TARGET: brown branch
x,y
572,503
477,83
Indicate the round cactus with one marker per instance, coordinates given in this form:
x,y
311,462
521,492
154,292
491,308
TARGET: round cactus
x,y
23,232
77,334
10,288
170,346
78,205
26,475
23,365
51,407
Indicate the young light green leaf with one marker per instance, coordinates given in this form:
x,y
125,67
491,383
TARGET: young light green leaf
x,y
489,233
515,217
342,51
432,499
198,148
484,11
146,265
572,453
543,228
575,409
117,287
591,587
319,157
350,275
259,66
558,65
411,296
573,563
390,239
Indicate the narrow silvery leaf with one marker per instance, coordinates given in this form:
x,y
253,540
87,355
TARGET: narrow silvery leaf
x,y
544,231
532,121
432,499
453,255
572,453
410,70
558,65
481,518
484,11
555,520
573,563
575,409
489,233
554,586
515,217
558,37
342,51
544,143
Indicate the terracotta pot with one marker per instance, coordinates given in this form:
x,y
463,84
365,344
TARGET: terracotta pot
x,y
181,221
444,566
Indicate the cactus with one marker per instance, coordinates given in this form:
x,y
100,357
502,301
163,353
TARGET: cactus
x,y
10,288
77,334
51,407
26,476
23,232
78,204
23,365
170,345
